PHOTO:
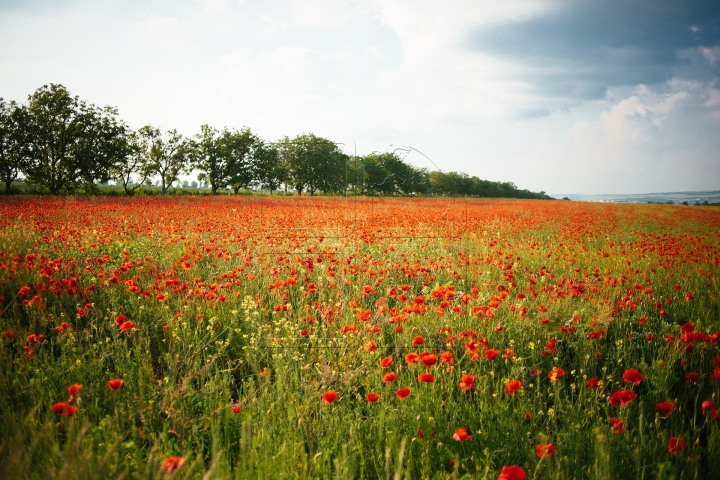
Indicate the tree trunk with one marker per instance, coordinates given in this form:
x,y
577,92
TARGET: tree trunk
x,y
8,183
213,189
236,189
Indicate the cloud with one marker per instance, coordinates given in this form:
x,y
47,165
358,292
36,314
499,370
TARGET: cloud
x,y
712,55
578,49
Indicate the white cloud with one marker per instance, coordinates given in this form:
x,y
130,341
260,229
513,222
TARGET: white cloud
x,y
712,55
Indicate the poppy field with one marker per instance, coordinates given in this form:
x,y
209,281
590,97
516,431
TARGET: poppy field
x,y
301,337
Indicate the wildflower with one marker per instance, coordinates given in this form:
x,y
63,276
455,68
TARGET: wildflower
x,y
403,393
120,319
59,407
236,409
370,346
447,358
467,382
389,377
418,341
127,326
676,445
556,374
74,388
692,378
512,472
633,376
512,387
386,362
329,397
372,397
593,383
622,398
491,354
665,408
709,406
172,465
115,383
617,425
544,450
428,360
9,334
461,435
426,378
411,358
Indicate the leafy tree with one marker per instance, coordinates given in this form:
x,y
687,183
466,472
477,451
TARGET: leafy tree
x,y
13,146
132,163
270,171
70,142
209,154
240,146
165,154
316,164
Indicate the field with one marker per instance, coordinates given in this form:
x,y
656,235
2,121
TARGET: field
x,y
357,338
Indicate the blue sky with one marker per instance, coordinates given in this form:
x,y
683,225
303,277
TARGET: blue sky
x,y
615,96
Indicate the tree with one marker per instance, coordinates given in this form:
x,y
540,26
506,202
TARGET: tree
x,y
13,146
239,146
209,154
131,163
316,164
70,142
270,171
165,154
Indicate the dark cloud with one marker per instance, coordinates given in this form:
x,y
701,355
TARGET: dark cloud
x,y
581,47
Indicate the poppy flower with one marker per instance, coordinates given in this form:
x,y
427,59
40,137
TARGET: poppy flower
x,y
403,393
115,383
329,397
467,382
593,383
544,450
428,360
372,397
556,374
512,387
127,326
512,472
172,465
692,378
418,341
665,408
411,358
370,346
74,388
59,407
461,435
120,319
622,398
447,358
386,362
426,378
389,377
633,376
617,425
491,354
236,409
676,445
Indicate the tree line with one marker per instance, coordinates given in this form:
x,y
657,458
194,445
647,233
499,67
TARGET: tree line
x,y
63,144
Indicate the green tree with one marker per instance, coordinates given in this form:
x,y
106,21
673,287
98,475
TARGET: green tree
x,y
165,154
270,171
240,146
13,145
316,164
209,154
70,142
131,165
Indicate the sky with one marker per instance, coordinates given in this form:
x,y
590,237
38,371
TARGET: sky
x,y
561,96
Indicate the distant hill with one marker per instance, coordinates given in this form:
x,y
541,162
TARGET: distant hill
x,y
711,196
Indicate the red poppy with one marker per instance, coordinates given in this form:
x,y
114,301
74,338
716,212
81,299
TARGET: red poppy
x,y
617,425
426,378
59,407
172,465
544,450
74,388
428,360
491,354
633,376
389,377
447,358
512,387
692,378
372,397
461,435
556,374
709,406
676,445
115,383
236,409
665,408
622,398
411,358
593,383
9,334
386,362
403,393
512,473
329,397
120,319
127,326
467,382
418,341
370,346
